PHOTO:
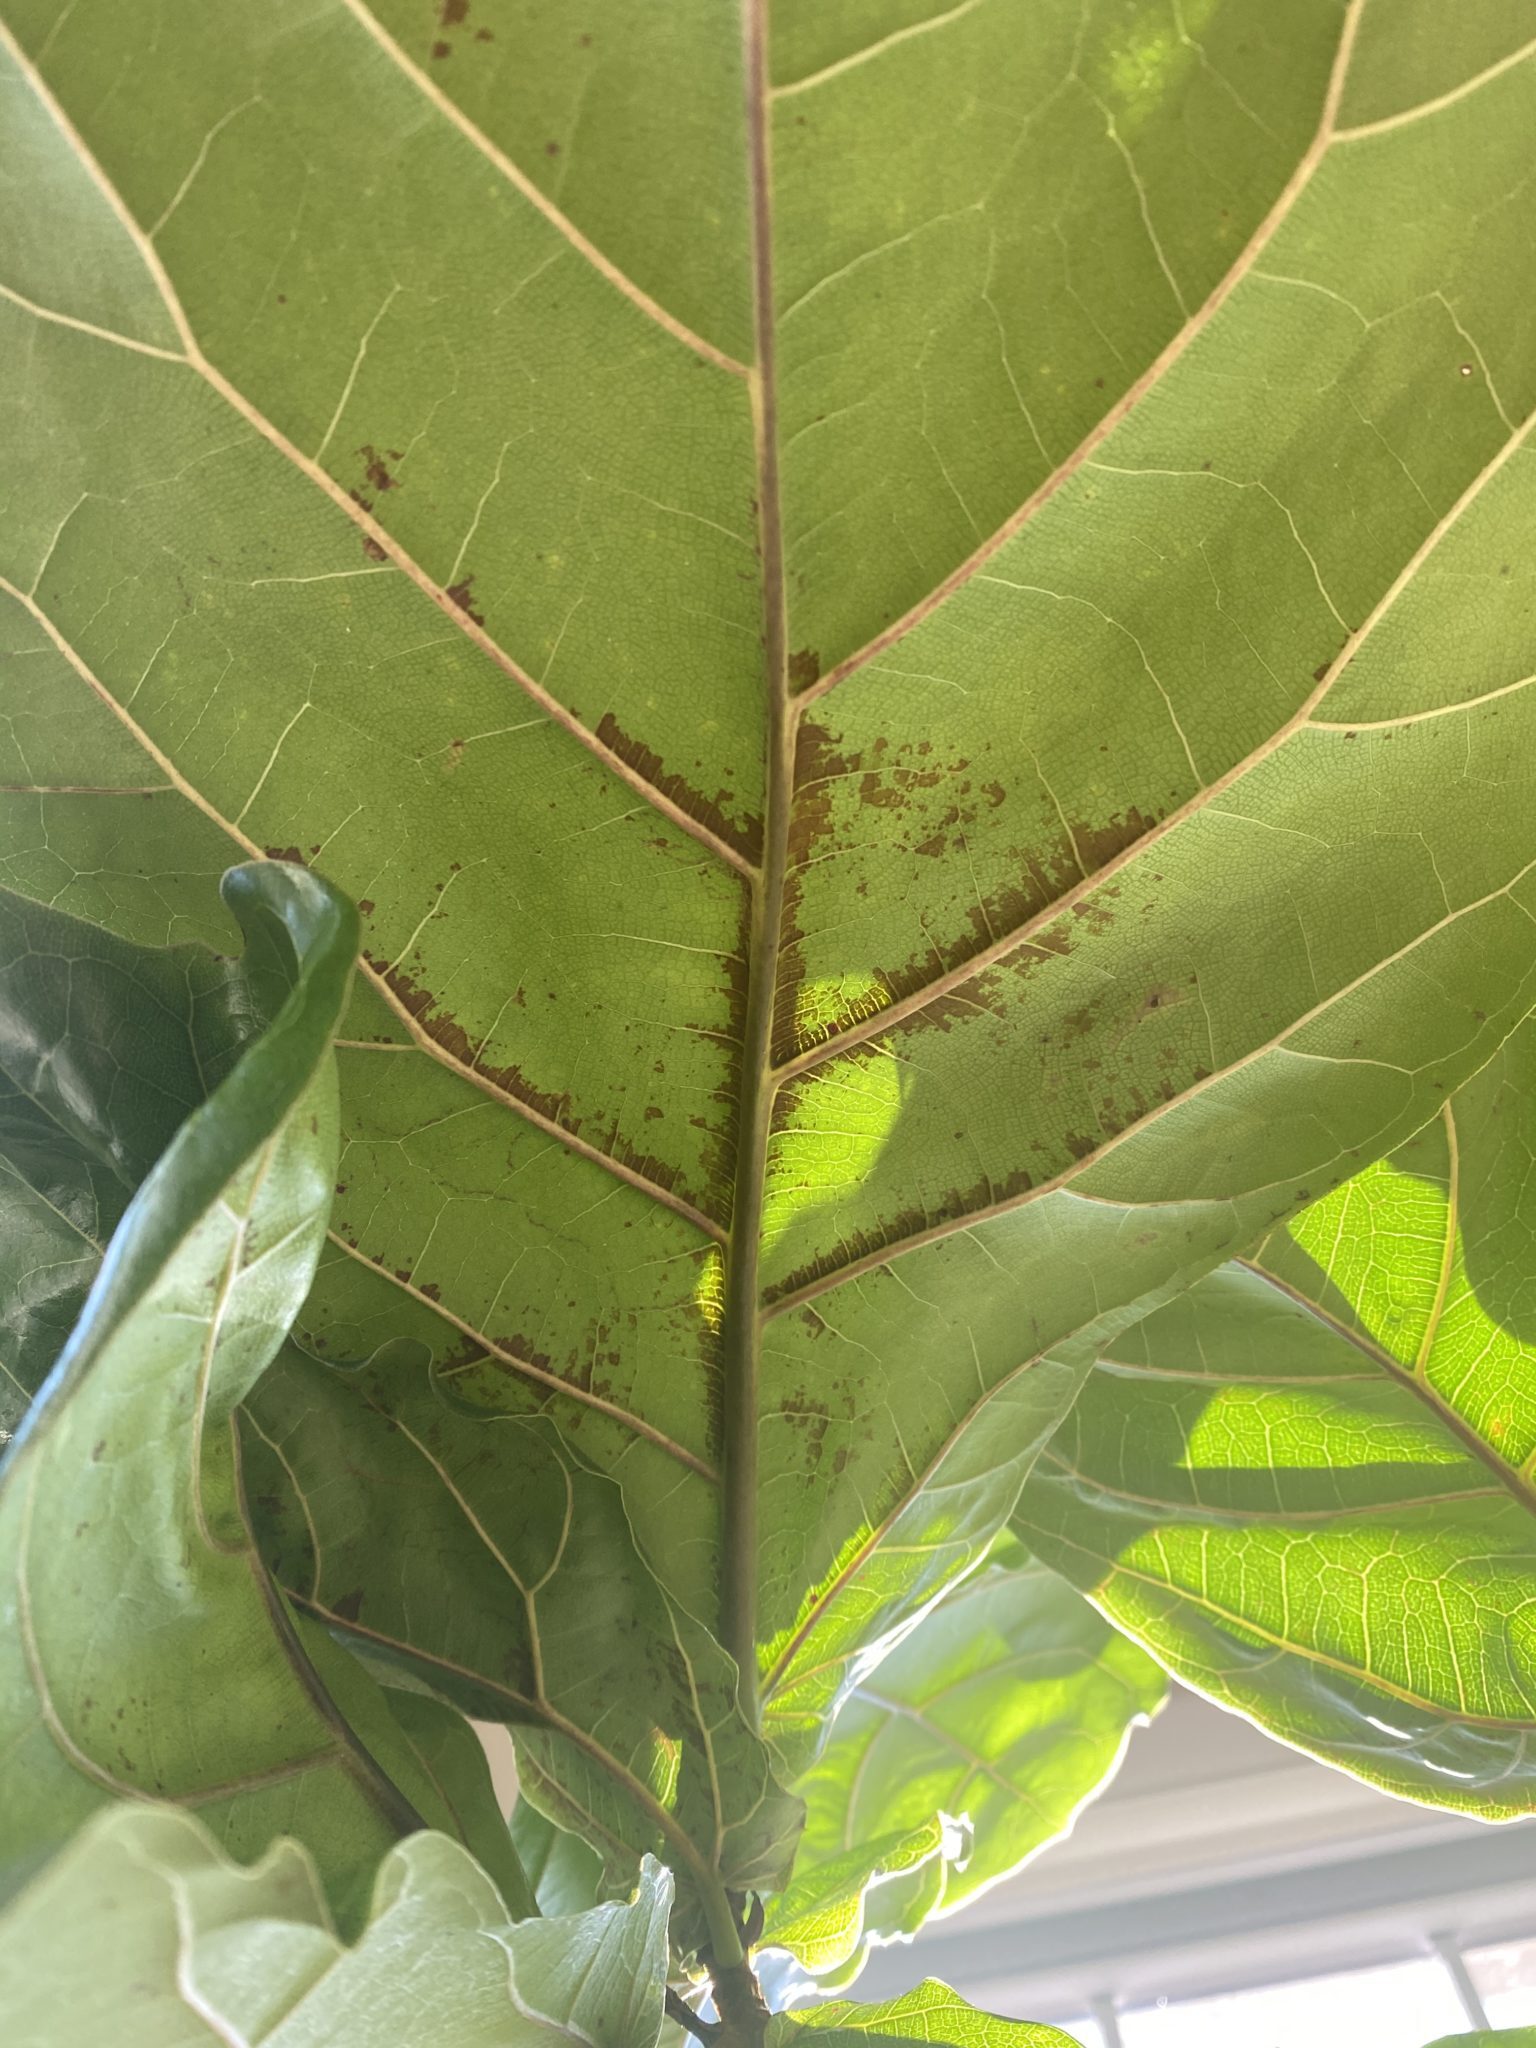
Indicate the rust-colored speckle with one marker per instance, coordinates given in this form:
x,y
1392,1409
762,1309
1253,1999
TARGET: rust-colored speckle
x,y
376,468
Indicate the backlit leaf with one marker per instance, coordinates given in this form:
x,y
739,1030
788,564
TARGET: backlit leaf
x,y
910,629
1006,1708
932,2014
1307,1486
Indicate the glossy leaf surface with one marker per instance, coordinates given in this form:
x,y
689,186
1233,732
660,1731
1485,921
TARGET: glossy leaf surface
x,y
188,1949
105,1047
1005,1709
910,630
146,1653
1307,1486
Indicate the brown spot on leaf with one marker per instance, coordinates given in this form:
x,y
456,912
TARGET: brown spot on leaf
x,y
745,836
373,550
349,1606
441,50
376,469
461,596
445,1030
288,853
804,668
452,12
551,149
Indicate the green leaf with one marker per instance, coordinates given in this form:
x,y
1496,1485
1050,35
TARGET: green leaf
x,y
898,623
142,1932
1509,2037
1307,1486
820,1916
512,1585
144,1651
931,2014
105,1046
1007,1707
566,1874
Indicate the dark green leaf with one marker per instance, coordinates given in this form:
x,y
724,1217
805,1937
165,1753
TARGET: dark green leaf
x,y
105,1046
144,1651
508,1579
566,1874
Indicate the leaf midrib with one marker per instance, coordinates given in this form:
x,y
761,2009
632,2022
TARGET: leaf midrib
x,y
741,1328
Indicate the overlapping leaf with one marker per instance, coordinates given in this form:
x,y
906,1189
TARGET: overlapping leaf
x,y
104,1048
506,1577
912,631
186,1949
821,1917
144,1651
1006,1709
1307,1486
566,1875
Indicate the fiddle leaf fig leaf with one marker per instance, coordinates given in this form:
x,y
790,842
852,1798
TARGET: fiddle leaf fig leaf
x,y
105,1047
566,1874
912,634
1307,1485
144,1652
820,1917
514,1588
186,1948
1007,1707
931,2014
1506,2037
